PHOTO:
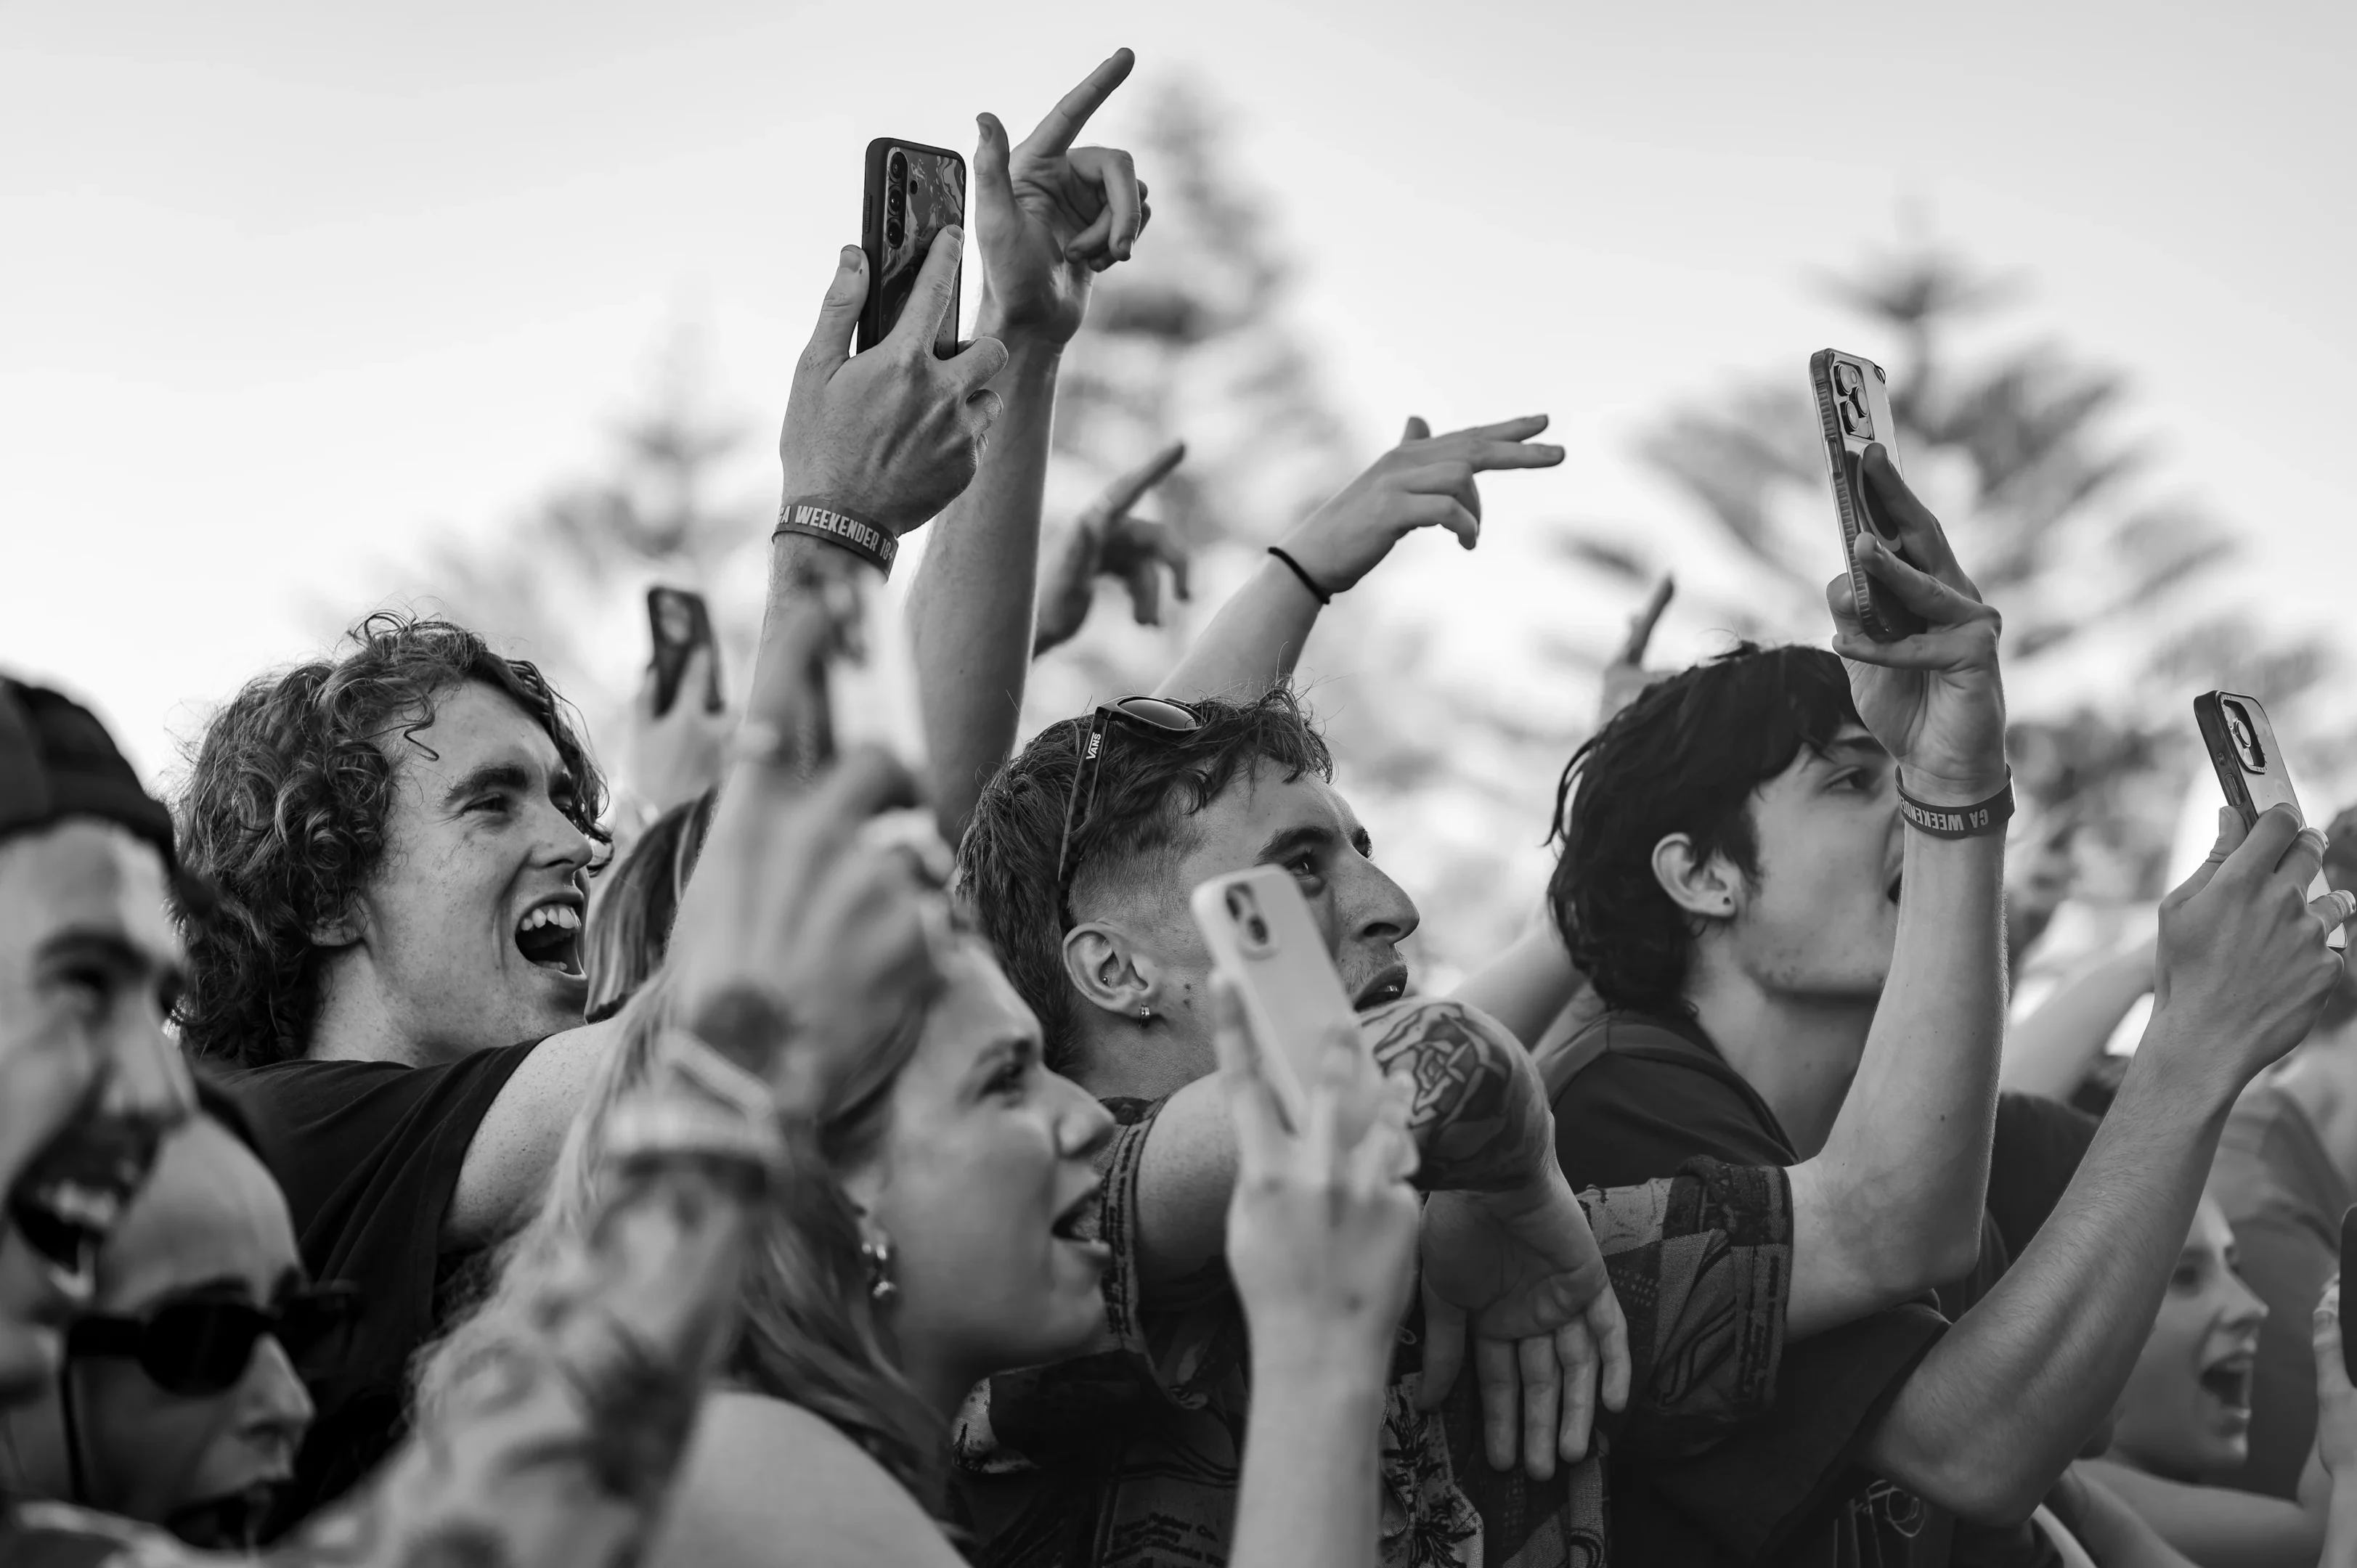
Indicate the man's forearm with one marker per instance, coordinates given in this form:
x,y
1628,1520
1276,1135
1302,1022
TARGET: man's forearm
x,y
1479,1112
1891,1205
971,605
1252,644
2000,1407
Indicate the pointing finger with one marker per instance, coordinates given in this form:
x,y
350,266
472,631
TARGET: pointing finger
x,y
1056,133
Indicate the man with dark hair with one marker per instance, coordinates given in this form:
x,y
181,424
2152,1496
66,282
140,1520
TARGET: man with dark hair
x,y
1747,869
2286,1171
1078,864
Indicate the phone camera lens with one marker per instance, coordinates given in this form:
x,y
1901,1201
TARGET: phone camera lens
x,y
893,202
899,168
893,232
1259,929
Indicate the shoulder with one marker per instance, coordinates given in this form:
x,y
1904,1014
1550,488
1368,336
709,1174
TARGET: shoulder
x,y
1647,1100
762,1473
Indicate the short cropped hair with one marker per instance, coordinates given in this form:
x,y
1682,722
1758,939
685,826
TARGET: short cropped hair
x,y
1146,790
1686,757
285,809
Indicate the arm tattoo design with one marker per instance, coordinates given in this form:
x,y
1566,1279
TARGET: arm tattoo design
x,y
559,1438
1480,1116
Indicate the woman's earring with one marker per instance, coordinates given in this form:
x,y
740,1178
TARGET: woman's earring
x,y
878,1254
1144,1013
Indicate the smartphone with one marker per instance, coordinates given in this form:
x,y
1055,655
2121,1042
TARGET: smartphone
x,y
913,193
1853,412
2250,765
1260,936
680,624
2348,1272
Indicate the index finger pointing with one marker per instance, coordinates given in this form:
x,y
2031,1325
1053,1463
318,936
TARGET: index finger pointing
x,y
1063,123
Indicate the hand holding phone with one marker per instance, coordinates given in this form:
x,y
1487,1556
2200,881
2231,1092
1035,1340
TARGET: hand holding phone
x,y
679,623
1854,413
2251,769
913,193
1260,936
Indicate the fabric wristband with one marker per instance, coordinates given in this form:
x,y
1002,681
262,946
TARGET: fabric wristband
x,y
875,545
1309,582
1978,820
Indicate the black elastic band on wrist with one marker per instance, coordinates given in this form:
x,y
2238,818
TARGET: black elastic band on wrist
x,y
875,545
1976,821
1309,582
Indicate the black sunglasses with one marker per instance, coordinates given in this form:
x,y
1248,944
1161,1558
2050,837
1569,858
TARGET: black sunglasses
x,y
197,1348
1155,718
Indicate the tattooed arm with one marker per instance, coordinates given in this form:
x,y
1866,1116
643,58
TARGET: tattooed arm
x,y
1479,1118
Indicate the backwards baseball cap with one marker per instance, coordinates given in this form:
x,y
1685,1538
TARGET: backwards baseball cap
x,y
57,761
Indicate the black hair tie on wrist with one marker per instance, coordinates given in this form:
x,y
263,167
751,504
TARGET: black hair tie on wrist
x,y
1309,582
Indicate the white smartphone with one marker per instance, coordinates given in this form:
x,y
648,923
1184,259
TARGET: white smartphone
x,y
1261,938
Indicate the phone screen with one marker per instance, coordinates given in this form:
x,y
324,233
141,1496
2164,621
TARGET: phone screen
x,y
924,193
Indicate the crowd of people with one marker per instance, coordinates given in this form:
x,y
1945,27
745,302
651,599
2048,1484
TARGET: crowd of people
x,y
414,1154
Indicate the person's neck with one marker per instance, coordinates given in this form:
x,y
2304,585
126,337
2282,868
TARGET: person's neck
x,y
1798,1054
356,1022
1124,1059
941,1385
2321,1080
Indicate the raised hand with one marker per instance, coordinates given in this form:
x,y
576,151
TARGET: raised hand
x,y
1934,700
894,436
675,755
1321,1229
1050,216
804,940
1425,481
2243,969
1626,678
1107,542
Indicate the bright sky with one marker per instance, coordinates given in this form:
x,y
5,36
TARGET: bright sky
x,y
288,286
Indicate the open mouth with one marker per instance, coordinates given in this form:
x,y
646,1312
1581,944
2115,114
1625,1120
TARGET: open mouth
x,y
1386,988
2229,1381
549,935
232,1523
67,1204
1081,1223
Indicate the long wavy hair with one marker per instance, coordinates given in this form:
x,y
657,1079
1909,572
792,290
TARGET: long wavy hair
x,y
285,809
808,1334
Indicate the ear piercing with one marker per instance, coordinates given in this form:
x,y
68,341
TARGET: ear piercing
x,y
877,1255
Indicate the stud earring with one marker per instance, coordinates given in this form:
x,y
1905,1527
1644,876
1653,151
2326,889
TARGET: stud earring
x,y
1144,1013
878,1254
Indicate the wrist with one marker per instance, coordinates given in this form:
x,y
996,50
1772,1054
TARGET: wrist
x,y
1956,784
1310,1355
1029,341
2183,1066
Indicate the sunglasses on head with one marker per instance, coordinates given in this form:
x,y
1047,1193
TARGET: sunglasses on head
x,y
1157,719
196,1347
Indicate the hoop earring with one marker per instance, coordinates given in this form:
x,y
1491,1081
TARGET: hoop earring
x,y
877,1255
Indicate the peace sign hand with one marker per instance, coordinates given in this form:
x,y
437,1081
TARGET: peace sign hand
x,y
1050,216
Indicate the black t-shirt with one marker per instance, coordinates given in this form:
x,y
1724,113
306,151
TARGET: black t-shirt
x,y
369,1154
1635,1097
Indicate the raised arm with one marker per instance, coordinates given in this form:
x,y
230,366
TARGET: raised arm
x,y
1106,540
1892,1203
1998,1407
884,441
1048,217
1425,481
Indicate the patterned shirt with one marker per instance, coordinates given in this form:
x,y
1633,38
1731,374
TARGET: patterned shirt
x,y
1129,1456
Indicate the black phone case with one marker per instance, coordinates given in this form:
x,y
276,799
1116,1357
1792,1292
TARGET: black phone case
x,y
672,652
892,268
1878,610
2348,1271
